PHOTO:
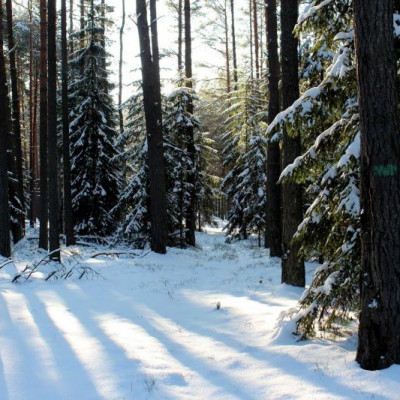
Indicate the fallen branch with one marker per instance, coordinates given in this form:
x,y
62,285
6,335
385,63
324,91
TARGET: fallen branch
x,y
6,263
114,253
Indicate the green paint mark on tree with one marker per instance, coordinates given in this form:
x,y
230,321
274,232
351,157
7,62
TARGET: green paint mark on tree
x,y
385,170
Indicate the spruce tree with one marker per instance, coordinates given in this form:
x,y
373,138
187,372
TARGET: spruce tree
x,y
96,176
133,207
326,117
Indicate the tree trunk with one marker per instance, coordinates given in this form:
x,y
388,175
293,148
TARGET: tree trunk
x,y
82,33
16,117
256,47
5,246
293,272
54,236
71,25
35,148
273,232
68,218
31,147
379,330
227,58
103,36
121,63
180,28
153,114
191,176
235,76
44,211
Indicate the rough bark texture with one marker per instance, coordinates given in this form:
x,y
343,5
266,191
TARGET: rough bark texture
x,y
44,212
68,219
5,249
273,234
52,131
33,164
379,331
234,59
152,108
191,177
16,119
293,272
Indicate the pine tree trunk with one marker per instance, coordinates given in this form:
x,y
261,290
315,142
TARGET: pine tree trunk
x,y
191,176
273,233
153,114
71,25
33,142
82,33
227,57
234,59
379,330
54,236
16,117
5,246
121,63
293,272
68,218
44,211
180,28
103,36
256,47
35,149
31,147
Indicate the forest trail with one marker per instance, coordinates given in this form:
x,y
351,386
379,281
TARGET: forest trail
x,y
205,323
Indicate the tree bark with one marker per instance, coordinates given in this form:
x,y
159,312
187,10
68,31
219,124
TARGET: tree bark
x,y
234,59
121,63
153,114
273,232
44,213
293,272
54,236
5,245
379,330
256,47
191,176
68,218
180,29
227,57
71,25
31,146
16,120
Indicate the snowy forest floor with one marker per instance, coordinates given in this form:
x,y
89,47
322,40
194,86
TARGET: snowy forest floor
x,y
207,323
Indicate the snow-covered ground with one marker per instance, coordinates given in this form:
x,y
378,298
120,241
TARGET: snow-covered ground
x,y
204,323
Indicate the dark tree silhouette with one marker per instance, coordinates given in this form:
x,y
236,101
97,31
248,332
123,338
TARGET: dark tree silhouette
x,y
153,114
293,271
379,331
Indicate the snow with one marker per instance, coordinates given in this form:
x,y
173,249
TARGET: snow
x,y
396,24
302,105
151,329
311,11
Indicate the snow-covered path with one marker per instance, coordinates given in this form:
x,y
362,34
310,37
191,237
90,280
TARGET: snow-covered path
x,y
152,330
